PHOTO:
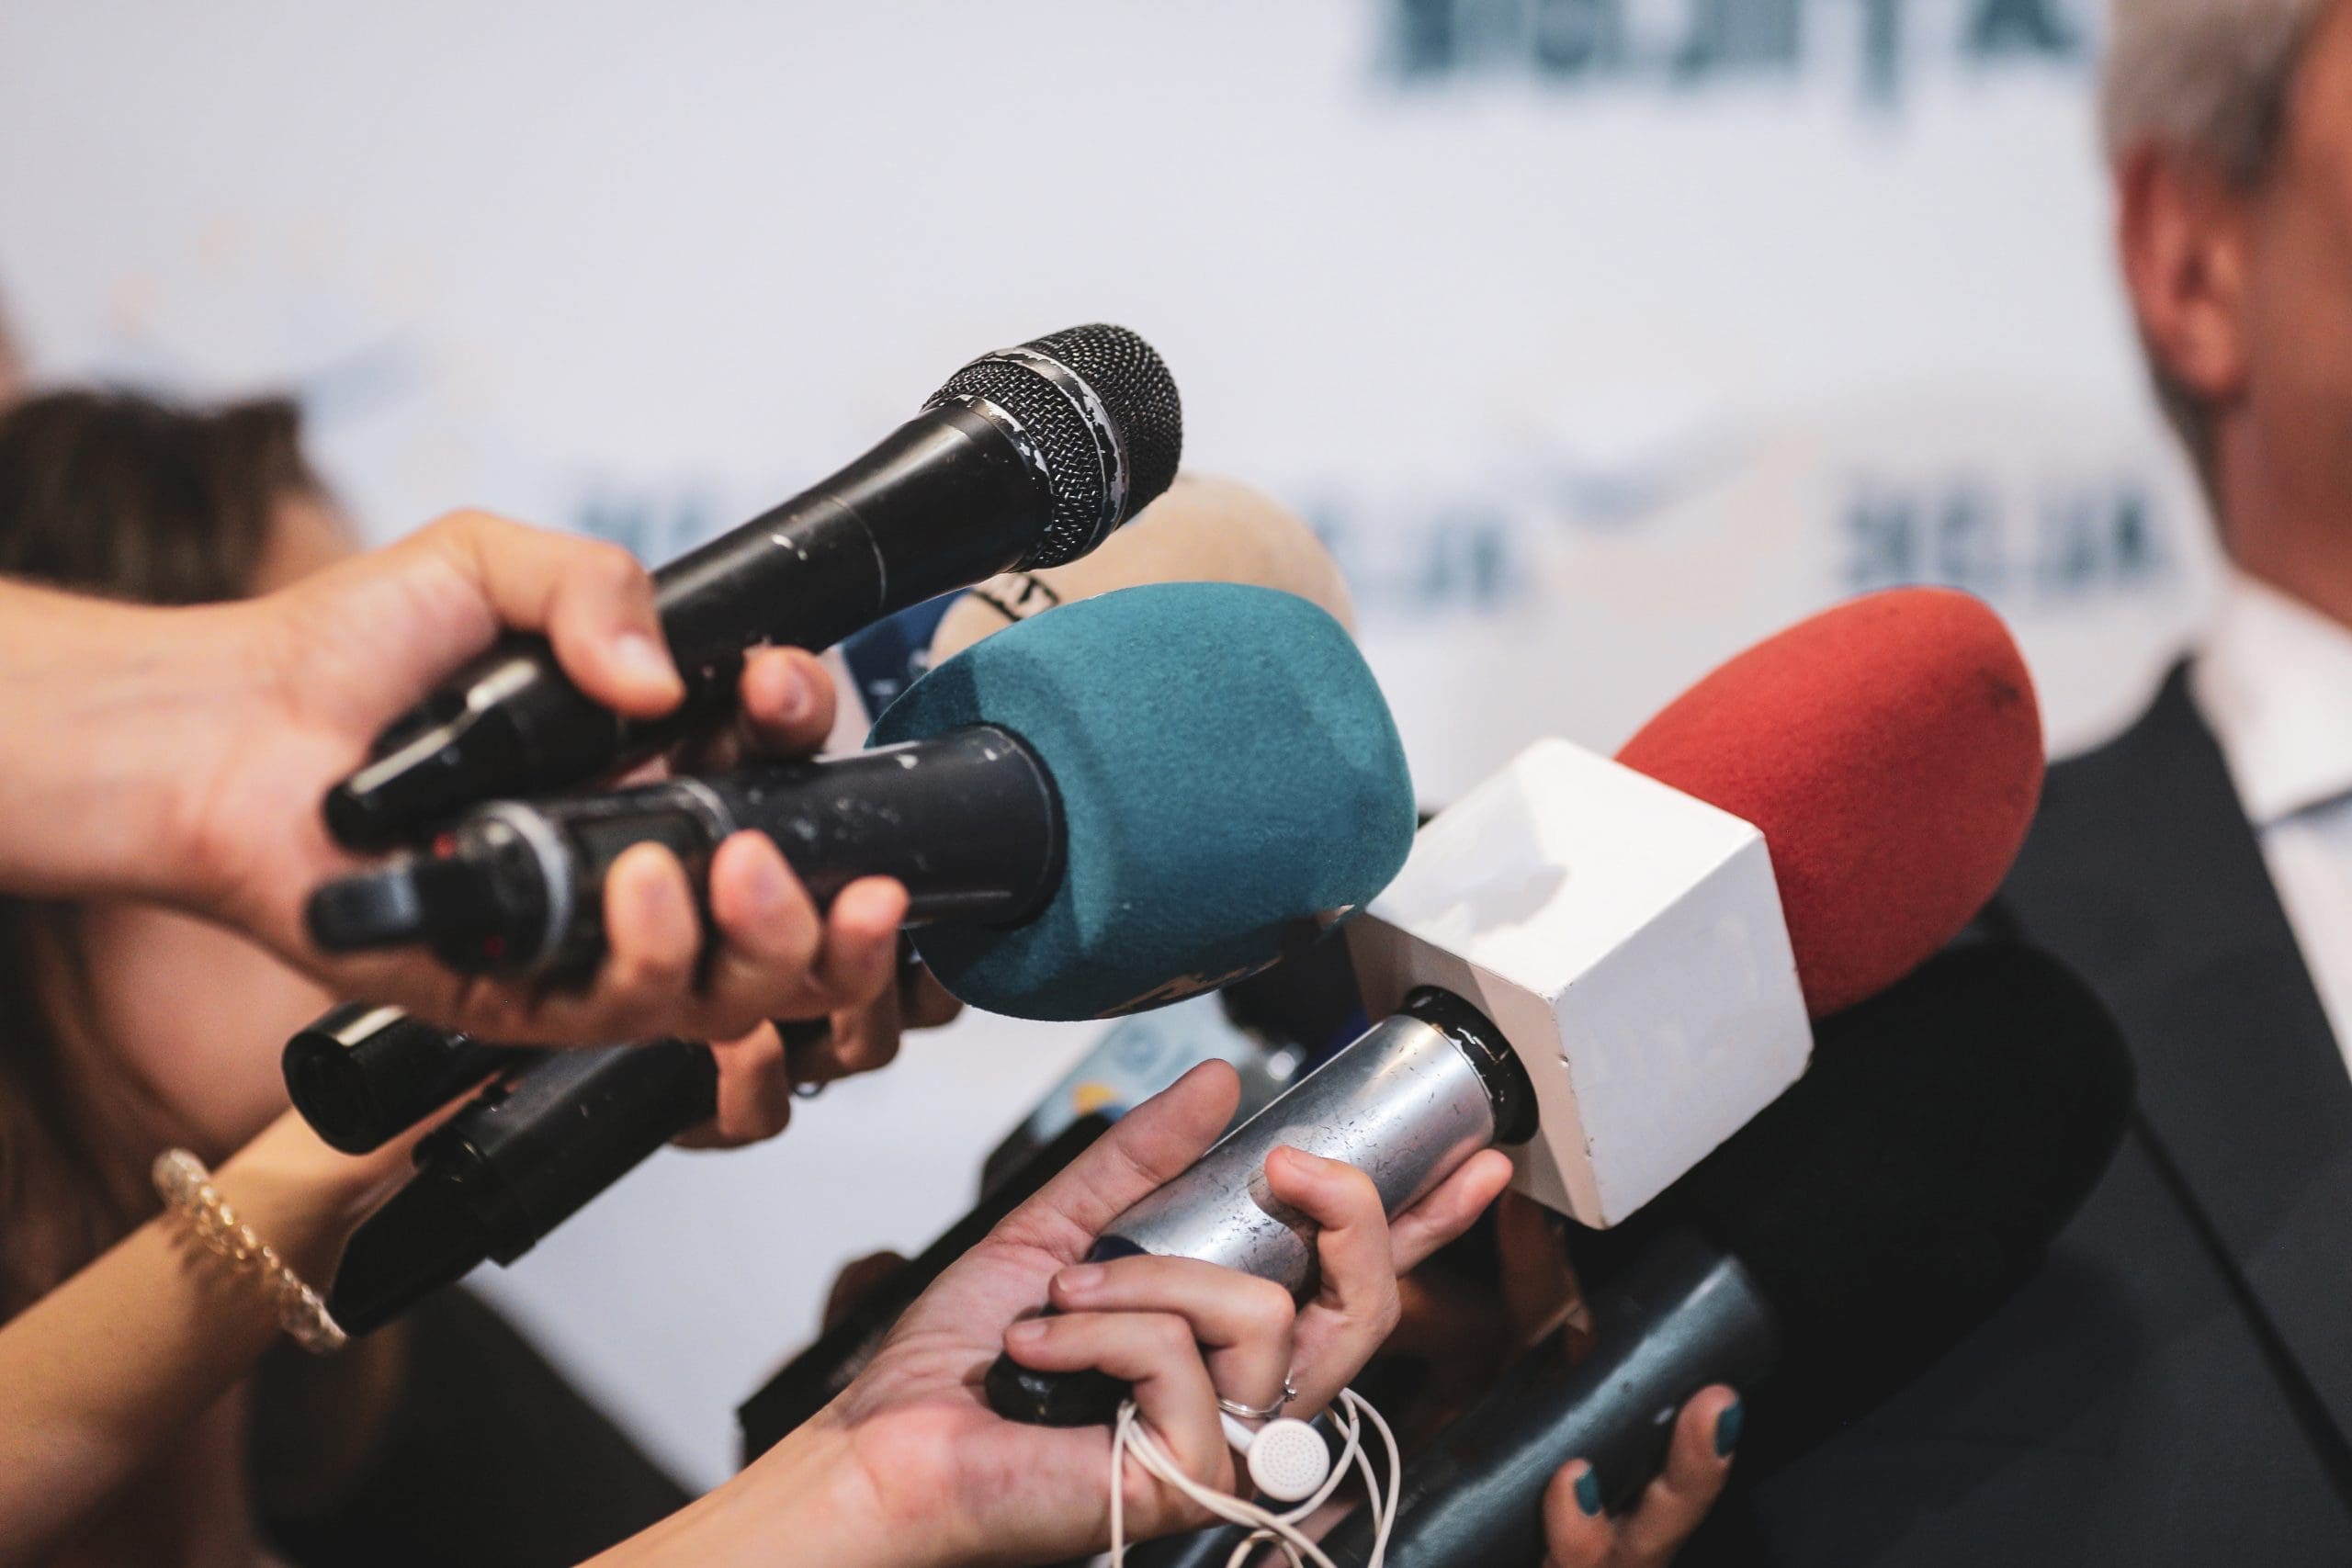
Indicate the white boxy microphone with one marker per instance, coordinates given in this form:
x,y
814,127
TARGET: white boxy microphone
x,y
1627,940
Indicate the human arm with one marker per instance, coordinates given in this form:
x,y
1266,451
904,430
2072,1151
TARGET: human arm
x,y
180,755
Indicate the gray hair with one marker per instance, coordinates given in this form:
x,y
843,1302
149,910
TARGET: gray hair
x,y
2208,80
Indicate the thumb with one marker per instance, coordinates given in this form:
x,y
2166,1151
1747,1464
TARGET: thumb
x,y
1147,1147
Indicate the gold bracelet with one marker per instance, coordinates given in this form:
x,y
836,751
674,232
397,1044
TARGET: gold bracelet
x,y
185,1185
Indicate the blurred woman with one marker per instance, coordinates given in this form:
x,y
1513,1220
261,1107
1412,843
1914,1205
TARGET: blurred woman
x,y
126,1029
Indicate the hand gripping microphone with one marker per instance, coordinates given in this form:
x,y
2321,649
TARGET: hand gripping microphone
x,y
363,1075
1027,456
1818,1262
1136,1058
1125,803
967,821
1206,820
1582,953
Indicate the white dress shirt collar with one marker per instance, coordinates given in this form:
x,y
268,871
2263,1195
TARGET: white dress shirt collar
x,y
2274,680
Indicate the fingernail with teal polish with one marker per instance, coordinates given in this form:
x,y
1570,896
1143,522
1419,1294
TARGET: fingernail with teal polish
x,y
1588,1493
1727,1425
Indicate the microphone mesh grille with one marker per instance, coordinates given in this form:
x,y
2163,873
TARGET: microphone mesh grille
x,y
1133,384
1139,398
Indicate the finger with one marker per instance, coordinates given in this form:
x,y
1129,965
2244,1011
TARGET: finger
x,y
809,1049
858,959
1149,1145
1449,1209
1356,1305
769,930
787,701
1697,1465
1576,1533
1241,1323
653,937
754,1092
1538,1288
1359,1278
863,1039
923,1002
859,1279
592,600
1154,1353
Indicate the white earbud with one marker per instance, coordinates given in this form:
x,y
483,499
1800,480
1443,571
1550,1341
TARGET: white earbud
x,y
1288,1459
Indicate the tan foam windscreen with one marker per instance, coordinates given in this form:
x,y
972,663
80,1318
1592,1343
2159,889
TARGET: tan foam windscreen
x,y
1203,529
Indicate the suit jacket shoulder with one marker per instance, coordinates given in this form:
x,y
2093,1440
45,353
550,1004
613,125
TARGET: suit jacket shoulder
x,y
2172,1387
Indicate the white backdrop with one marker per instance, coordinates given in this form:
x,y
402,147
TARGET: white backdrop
x,y
1600,336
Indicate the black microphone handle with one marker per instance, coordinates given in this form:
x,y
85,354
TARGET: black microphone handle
x,y
361,1074
572,1124
969,822
521,1159
1681,1317
945,501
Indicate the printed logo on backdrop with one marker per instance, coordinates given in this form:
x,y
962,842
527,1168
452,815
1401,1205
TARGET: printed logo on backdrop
x,y
2046,540
1872,50
2032,529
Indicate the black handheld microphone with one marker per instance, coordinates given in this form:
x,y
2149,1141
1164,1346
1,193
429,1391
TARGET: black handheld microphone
x,y
1027,458
1882,1207
362,1075
515,1162
968,821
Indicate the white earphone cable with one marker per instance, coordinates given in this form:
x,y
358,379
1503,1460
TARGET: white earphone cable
x,y
1132,1437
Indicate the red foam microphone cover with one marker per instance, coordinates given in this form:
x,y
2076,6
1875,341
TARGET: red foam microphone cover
x,y
1890,751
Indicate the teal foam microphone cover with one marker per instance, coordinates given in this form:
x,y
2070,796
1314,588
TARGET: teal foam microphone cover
x,y
1231,782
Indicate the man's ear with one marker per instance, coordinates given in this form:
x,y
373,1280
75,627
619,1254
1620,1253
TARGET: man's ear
x,y
2182,234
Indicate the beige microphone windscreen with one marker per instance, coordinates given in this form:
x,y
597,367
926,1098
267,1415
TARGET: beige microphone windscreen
x,y
1203,529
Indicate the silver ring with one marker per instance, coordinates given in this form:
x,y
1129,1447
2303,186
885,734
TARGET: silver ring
x,y
1241,1412
808,1090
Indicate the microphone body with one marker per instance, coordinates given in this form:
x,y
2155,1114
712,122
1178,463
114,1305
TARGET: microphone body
x,y
1030,456
968,821
1632,939
1204,776
1682,1317
362,1075
1818,1260
517,1161
1418,1094
1139,1057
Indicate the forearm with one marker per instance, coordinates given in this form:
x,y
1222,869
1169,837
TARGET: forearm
x,y
110,712
803,1501
99,1374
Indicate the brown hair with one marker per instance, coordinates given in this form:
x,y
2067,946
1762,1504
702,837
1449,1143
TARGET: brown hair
x,y
124,495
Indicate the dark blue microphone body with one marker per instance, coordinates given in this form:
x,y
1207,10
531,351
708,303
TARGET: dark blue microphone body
x,y
1683,1316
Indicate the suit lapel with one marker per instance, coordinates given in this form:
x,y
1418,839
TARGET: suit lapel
x,y
2144,873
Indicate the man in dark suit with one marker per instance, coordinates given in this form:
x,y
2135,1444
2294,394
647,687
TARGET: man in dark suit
x,y
2175,1387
